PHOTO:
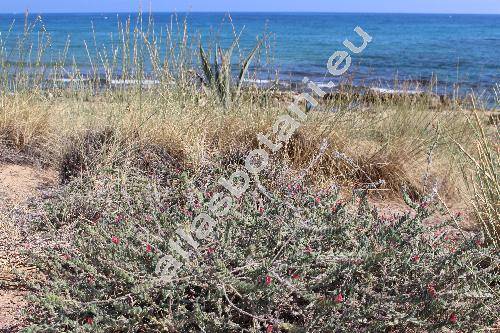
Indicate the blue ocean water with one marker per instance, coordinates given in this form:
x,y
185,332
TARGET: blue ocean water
x,y
455,49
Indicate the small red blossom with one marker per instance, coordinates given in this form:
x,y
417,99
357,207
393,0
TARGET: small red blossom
x,y
66,257
339,298
261,210
96,217
318,200
148,248
269,328
308,250
89,320
453,318
295,276
478,242
337,207
115,240
186,212
268,280
415,258
118,218
210,250
431,290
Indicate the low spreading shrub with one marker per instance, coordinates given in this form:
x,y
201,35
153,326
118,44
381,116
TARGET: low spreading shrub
x,y
295,259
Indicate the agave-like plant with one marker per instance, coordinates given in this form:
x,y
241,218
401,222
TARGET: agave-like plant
x,y
218,75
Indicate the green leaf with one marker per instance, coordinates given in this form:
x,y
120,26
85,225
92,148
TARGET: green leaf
x,y
206,66
245,66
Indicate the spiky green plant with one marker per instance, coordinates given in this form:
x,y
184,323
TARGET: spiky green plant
x,y
218,75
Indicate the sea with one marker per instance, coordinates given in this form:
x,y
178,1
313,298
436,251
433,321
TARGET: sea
x,y
446,51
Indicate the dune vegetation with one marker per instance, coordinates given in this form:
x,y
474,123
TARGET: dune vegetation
x,y
140,143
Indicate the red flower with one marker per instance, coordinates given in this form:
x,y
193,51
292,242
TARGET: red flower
x,y
211,250
479,242
148,248
431,290
415,258
308,250
339,298
118,218
188,213
453,318
337,207
115,240
268,280
261,210
96,217
269,328
89,320
66,257
318,200
295,276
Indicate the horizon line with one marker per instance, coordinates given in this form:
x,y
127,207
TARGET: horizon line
x,y
244,12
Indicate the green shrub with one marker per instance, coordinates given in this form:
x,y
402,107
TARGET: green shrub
x,y
218,75
298,261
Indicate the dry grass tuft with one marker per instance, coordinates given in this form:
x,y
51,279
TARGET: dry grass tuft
x,y
482,177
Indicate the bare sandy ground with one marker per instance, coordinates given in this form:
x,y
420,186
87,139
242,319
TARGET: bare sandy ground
x,y
18,183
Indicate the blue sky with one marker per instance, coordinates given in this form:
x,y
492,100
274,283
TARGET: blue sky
x,y
408,6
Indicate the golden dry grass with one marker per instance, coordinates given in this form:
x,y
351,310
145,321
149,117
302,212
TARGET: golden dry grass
x,y
390,142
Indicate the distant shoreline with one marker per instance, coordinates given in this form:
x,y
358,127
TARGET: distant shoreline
x,y
251,12
408,52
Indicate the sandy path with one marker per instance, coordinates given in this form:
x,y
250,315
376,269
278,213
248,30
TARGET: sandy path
x,y
17,185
